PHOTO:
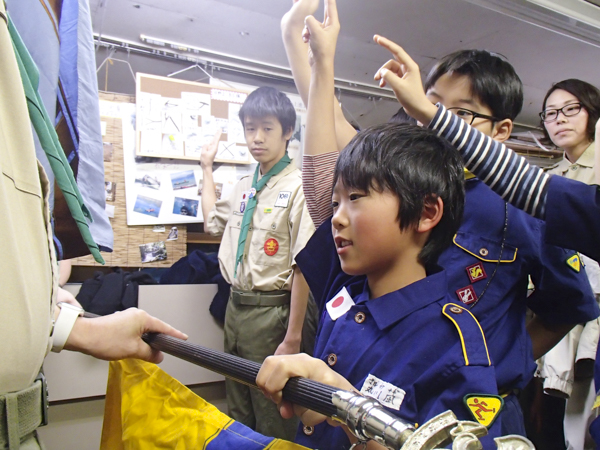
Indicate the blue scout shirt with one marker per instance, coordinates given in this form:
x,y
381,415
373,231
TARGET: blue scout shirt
x,y
495,249
429,350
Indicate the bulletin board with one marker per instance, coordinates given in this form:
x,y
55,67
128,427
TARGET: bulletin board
x,y
132,245
175,118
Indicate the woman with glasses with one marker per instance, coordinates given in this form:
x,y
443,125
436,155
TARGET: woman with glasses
x,y
571,109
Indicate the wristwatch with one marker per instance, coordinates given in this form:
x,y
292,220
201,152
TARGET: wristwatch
x,y
64,324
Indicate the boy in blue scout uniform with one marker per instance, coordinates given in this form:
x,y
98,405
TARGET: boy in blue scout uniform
x,y
264,224
570,209
497,245
390,329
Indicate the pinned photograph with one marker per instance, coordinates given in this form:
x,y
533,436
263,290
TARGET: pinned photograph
x,y
107,148
173,234
155,251
158,228
110,188
148,180
147,205
185,206
183,180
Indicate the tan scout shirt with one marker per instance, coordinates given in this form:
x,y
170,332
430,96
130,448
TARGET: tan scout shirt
x,y
28,274
581,170
281,227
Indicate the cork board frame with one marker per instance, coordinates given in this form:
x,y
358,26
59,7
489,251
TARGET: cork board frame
x,y
127,239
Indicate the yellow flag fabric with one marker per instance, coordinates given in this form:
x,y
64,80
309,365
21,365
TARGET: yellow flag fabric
x,y
148,409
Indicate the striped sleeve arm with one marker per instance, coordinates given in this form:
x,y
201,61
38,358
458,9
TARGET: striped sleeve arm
x,y
508,174
317,182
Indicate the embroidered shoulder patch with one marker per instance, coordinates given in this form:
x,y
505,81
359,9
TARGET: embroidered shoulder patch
x,y
574,262
484,408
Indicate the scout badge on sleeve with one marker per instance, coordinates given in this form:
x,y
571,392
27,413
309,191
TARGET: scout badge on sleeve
x,y
340,304
476,272
467,295
574,262
484,408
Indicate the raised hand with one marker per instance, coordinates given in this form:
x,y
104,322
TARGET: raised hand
x,y
322,37
209,151
294,18
402,75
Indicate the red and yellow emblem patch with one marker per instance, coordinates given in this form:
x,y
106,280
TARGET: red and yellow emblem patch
x,y
271,246
484,408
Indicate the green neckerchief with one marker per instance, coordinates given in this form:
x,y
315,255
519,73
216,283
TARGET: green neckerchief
x,y
49,142
251,206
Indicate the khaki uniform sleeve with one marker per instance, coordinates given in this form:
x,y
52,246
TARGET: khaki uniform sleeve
x,y
217,219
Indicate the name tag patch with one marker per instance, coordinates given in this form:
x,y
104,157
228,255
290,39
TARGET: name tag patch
x,y
386,393
283,199
340,304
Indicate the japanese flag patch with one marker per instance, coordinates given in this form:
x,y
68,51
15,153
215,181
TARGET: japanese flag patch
x,y
340,304
387,394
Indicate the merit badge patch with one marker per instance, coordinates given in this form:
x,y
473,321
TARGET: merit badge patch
x,y
476,272
242,207
252,193
283,199
467,295
484,408
574,262
340,304
271,246
387,394
268,210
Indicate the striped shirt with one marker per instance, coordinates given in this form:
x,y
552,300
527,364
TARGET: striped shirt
x,y
317,182
508,174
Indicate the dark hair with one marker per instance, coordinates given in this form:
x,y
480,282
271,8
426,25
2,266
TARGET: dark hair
x,y
401,116
268,101
493,80
414,164
589,97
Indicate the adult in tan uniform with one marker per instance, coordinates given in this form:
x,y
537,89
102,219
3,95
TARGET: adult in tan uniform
x,y
29,277
264,227
571,110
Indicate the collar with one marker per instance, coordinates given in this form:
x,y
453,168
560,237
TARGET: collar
x,y
585,160
395,306
275,178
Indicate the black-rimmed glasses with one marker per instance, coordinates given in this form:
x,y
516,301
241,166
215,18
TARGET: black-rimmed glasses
x,y
469,116
550,115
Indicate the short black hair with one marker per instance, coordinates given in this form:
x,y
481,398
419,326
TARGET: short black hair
x,y
589,97
401,116
268,101
417,166
493,80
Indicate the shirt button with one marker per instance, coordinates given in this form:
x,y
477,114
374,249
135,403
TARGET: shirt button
x,y
332,359
238,224
249,228
456,310
308,430
273,226
573,167
360,317
483,251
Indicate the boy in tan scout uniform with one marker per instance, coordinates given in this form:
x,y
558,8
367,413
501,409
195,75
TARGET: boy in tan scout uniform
x,y
264,224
